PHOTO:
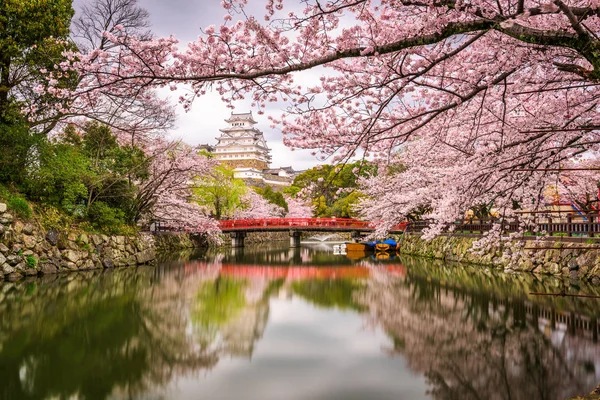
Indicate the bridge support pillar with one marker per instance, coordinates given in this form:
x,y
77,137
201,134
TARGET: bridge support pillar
x,y
295,238
237,239
355,236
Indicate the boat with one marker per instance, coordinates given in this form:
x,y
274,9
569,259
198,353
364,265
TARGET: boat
x,y
359,247
385,245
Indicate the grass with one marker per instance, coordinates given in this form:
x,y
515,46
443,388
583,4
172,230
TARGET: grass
x,y
31,261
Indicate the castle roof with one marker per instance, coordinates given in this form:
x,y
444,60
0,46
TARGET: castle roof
x,y
241,117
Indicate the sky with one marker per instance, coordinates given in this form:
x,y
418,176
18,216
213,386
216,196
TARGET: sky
x,y
183,19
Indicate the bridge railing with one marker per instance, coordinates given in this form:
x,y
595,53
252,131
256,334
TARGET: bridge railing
x,y
166,225
242,224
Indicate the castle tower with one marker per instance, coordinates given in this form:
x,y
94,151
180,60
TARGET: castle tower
x,y
243,147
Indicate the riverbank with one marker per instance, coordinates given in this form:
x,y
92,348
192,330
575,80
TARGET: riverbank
x,y
575,260
28,249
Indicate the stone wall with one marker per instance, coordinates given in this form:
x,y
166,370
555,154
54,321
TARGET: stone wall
x,y
563,258
28,249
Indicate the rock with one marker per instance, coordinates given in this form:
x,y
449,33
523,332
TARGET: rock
x,y
572,264
89,264
2,259
96,240
108,263
52,237
3,207
18,227
72,236
68,266
15,276
145,256
6,218
29,242
83,238
13,260
7,269
71,255
574,274
28,253
2,229
4,249
48,267
595,280
537,270
28,229
553,268
30,271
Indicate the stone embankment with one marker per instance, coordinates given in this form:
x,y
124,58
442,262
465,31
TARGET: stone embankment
x,y
554,257
27,249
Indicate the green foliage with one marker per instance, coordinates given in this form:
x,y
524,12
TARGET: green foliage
x,y
106,218
83,168
17,147
220,193
31,261
33,35
333,188
272,197
20,206
11,196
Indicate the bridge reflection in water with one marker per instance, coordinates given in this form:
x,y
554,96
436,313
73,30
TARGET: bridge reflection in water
x,y
375,328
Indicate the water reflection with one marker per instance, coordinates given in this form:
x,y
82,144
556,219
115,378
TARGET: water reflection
x,y
298,315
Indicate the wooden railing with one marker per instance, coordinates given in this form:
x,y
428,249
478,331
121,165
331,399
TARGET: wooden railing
x,y
551,224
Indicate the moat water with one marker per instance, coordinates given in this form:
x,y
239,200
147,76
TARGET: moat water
x,y
278,323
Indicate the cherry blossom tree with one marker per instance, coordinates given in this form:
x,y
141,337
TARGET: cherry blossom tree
x,y
255,206
578,186
166,194
298,208
472,97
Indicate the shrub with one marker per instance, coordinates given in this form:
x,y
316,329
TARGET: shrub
x,y
20,206
106,218
31,261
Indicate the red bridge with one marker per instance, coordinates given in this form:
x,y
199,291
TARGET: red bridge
x,y
238,228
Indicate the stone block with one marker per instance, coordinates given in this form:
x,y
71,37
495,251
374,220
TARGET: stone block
x,y
13,259
48,267
28,229
71,255
3,249
6,218
83,238
29,241
3,207
108,263
7,269
15,276
52,237
69,266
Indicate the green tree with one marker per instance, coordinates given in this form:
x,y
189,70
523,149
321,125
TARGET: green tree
x,y
33,34
220,192
272,196
333,189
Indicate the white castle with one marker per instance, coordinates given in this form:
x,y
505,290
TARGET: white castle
x,y
243,147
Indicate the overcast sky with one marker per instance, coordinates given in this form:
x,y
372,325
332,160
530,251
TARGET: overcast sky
x,y
183,19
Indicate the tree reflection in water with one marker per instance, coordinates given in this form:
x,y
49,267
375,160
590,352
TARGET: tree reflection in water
x,y
132,332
